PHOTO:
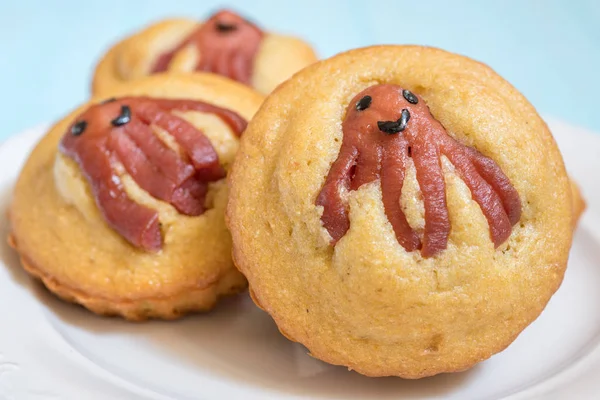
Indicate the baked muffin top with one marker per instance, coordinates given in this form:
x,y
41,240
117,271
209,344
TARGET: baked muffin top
x,y
463,278
226,44
89,212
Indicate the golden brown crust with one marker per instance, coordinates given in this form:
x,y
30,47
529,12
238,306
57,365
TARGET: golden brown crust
x,y
64,241
188,300
277,59
367,303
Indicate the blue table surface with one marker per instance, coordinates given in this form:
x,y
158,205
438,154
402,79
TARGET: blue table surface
x,y
550,50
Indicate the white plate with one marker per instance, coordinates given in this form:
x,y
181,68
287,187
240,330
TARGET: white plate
x,y
53,350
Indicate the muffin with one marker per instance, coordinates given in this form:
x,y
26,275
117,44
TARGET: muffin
x,y
400,210
121,206
225,44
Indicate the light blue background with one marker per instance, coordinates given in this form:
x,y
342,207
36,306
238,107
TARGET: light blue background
x,y
550,50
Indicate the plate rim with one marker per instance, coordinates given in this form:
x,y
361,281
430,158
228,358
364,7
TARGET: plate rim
x,y
562,377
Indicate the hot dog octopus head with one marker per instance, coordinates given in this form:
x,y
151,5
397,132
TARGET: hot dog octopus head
x,y
226,44
149,141
384,126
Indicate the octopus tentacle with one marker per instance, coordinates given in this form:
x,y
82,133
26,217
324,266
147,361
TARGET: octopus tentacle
x,y
482,192
239,66
491,172
202,65
137,164
335,213
188,197
207,61
166,160
142,225
222,62
368,166
163,61
232,61
197,146
231,118
392,180
426,157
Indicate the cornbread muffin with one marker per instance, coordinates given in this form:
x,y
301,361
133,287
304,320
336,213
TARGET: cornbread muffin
x,y
121,206
400,210
225,44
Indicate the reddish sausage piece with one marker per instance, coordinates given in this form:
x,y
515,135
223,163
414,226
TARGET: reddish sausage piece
x,y
119,131
383,127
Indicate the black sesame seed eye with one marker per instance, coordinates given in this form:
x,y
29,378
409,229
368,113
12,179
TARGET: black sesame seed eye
x,y
78,128
225,27
109,100
410,96
391,127
363,103
123,118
